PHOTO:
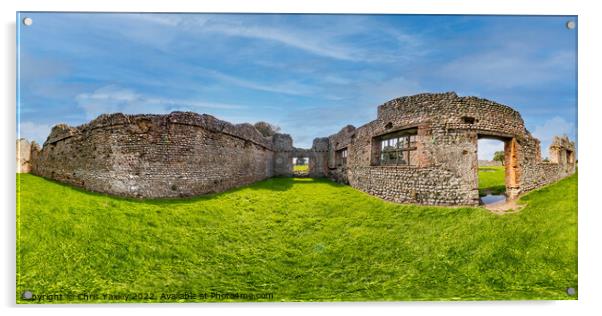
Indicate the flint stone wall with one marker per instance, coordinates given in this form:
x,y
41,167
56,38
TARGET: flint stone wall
x,y
536,173
446,169
187,154
156,156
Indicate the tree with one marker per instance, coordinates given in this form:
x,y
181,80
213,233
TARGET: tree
x,y
266,129
499,156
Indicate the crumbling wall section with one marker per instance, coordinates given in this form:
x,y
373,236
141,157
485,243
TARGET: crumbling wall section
x,y
24,153
187,154
318,163
445,167
537,173
338,142
156,156
283,159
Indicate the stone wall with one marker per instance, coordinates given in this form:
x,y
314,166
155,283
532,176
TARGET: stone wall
x,y
24,149
536,173
283,161
187,154
445,171
23,156
156,156
489,163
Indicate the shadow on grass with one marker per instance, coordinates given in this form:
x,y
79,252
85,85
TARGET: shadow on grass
x,y
286,183
272,184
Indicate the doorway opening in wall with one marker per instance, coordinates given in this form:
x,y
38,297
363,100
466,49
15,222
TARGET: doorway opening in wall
x,y
492,153
301,166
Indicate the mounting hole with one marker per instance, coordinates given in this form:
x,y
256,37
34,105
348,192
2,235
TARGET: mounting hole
x,y
27,21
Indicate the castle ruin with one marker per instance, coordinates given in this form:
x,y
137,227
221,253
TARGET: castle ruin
x,y
420,149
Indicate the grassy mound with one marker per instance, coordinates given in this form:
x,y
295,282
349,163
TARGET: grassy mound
x,y
291,240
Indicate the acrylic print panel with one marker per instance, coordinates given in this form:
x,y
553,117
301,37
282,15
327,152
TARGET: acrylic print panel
x,y
279,158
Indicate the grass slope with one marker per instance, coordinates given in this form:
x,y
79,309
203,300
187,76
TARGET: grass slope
x,y
300,239
491,180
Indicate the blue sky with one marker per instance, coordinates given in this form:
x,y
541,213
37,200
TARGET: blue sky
x,y
309,74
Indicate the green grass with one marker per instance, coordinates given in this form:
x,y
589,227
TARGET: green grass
x,y
299,239
301,168
491,180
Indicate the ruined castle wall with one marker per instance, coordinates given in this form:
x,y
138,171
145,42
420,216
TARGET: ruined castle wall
x,y
156,156
535,172
318,162
449,111
186,154
283,156
284,152
24,149
445,171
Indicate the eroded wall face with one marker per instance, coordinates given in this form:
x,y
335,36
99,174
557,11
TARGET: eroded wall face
x,y
283,159
445,169
536,173
444,173
318,167
186,154
154,157
23,156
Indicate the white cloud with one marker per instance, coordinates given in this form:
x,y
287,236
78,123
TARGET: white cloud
x,y
556,126
505,68
314,38
235,27
286,87
488,147
377,92
112,98
311,44
33,131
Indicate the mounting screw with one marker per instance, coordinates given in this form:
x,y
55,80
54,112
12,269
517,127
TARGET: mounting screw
x,y
27,21
27,295
570,291
570,25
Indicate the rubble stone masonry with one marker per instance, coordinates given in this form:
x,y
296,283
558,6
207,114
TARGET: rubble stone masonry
x,y
187,154
156,156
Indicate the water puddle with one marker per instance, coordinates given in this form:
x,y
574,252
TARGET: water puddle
x,y
493,198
